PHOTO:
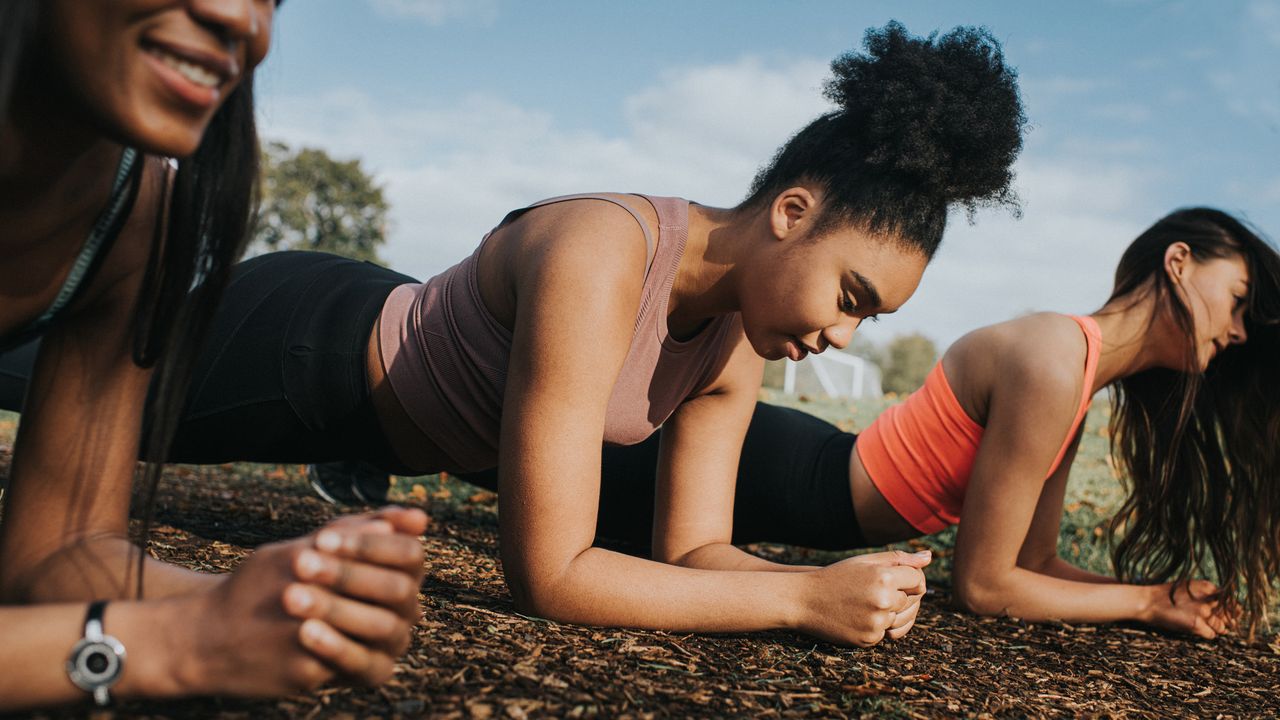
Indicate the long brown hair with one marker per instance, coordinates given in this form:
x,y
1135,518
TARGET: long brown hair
x,y
1200,451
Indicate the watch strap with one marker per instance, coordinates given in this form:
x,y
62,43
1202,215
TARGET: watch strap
x,y
93,621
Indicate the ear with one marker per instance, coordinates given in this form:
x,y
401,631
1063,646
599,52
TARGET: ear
x,y
1177,261
791,212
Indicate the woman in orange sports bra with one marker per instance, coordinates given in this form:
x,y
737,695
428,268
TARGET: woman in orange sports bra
x,y
989,440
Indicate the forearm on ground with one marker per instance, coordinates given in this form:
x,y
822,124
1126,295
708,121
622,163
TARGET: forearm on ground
x,y
600,587
1035,596
723,556
37,641
100,567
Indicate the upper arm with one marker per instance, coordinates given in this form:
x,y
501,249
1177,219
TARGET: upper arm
x,y
573,325
1030,412
1041,544
698,462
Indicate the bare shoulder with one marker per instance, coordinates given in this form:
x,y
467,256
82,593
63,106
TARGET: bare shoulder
x,y
1040,357
601,231
586,246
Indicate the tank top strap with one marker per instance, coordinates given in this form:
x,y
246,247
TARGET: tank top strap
x,y
649,251
1093,345
673,230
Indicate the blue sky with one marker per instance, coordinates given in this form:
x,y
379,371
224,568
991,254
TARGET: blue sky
x,y
464,109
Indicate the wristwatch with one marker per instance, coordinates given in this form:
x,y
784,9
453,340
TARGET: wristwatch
x,y
95,663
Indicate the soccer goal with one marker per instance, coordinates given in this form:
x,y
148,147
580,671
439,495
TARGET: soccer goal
x,y
833,373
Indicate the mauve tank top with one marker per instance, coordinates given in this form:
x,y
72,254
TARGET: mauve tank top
x,y
446,356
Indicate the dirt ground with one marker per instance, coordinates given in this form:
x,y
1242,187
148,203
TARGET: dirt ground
x,y
476,657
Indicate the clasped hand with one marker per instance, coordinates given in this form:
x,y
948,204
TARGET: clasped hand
x,y
863,599
339,603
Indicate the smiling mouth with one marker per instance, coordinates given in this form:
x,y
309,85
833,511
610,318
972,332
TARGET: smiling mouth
x,y
197,68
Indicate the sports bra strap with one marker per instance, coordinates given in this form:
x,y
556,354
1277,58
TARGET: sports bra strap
x,y
101,237
1093,349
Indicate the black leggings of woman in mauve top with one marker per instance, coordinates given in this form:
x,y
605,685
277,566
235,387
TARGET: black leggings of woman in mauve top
x,y
793,485
282,374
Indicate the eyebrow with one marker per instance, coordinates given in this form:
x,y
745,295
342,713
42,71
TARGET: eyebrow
x,y
868,289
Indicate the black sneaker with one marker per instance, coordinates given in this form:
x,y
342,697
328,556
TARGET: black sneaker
x,y
349,482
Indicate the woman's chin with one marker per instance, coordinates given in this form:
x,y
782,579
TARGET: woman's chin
x,y
168,134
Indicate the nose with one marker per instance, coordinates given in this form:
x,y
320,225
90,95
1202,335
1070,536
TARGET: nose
x,y
1238,334
237,19
840,334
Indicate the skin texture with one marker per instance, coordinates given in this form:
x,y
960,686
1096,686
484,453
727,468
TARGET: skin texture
x,y
293,615
1028,373
535,276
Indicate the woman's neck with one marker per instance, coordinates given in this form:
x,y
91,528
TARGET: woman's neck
x,y
1133,338
53,167
704,287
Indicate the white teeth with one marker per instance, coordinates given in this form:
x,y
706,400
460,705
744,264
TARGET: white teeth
x,y
196,74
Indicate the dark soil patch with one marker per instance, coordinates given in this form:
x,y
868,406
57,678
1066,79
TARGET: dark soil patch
x,y
475,657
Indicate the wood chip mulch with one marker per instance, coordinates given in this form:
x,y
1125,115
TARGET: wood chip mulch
x,y
476,657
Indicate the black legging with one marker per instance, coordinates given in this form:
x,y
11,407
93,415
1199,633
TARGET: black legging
x,y
793,485
282,379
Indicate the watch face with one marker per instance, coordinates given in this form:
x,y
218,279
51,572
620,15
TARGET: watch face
x,y
98,661
95,664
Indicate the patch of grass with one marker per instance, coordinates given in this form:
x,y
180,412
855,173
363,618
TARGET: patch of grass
x,y
8,426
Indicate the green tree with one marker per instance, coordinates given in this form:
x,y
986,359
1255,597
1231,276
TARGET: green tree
x,y
312,202
907,360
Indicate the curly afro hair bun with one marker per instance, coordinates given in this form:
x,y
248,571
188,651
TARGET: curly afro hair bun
x,y
923,124
941,112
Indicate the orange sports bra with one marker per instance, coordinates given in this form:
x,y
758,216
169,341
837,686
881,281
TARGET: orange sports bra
x,y
919,453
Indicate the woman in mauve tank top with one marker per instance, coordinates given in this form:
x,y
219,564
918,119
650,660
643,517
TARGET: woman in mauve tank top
x,y
590,320
988,443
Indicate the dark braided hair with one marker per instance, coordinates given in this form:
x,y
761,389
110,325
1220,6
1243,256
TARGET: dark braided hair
x,y
923,124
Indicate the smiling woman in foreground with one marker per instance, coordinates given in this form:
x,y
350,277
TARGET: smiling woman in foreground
x,y
116,256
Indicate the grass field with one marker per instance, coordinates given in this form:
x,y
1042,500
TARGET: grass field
x,y
474,656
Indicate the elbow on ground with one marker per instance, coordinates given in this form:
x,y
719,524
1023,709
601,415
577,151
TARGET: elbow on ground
x,y
977,597
540,600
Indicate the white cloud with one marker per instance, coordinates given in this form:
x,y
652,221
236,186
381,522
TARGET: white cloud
x,y
451,173
438,12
